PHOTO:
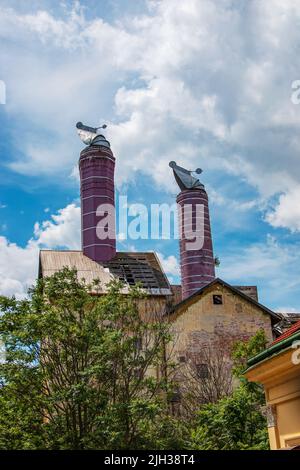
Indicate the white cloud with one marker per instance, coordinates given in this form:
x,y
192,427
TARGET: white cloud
x,y
274,267
170,264
256,260
207,80
287,310
287,212
63,230
206,83
19,266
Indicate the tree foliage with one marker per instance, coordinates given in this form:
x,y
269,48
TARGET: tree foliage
x,y
244,350
206,377
86,371
236,422
81,371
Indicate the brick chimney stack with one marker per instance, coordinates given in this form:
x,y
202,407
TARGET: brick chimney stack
x,y
197,261
96,166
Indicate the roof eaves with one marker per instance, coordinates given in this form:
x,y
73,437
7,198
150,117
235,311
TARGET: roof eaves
x,y
250,299
273,350
292,330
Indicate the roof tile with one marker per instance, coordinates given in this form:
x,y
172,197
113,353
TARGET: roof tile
x,y
288,333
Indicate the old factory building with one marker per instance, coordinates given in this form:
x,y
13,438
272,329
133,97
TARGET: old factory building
x,y
204,309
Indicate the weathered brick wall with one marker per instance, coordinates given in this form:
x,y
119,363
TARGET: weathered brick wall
x,y
199,323
153,306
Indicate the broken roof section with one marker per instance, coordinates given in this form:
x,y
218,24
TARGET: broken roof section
x,y
131,268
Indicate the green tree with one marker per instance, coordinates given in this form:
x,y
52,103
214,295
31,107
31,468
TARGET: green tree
x,y
236,422
244,350
82,371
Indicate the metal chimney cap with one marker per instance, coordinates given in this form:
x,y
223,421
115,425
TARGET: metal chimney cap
x,y
100,141
185,178
91,136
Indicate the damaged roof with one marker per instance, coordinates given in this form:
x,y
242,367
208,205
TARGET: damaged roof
x,y
131,268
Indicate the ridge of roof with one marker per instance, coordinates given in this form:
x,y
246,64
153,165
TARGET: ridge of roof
x,y
233,289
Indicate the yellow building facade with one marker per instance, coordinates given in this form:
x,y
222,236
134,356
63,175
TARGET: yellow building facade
x,y
217,313
278,369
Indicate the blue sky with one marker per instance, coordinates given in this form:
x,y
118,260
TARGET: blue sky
x,y
204,82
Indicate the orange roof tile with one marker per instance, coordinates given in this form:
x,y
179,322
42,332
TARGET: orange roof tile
x,y
288,333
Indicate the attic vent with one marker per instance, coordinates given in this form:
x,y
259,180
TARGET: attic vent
x,y
217,299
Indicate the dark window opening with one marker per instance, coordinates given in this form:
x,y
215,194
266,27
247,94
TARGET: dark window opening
x,y
217,299
138,344
138,374
176,396
182,359
202,371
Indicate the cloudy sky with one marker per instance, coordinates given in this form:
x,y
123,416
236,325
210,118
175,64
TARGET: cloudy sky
x,y
204,82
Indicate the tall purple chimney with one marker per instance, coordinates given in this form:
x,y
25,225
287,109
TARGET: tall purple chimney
x,y
97,190
197,261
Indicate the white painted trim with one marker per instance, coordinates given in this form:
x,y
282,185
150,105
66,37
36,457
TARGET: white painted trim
x,y
94,195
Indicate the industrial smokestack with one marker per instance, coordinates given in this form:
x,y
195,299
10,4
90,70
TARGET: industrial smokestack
x,y
97,191
196,250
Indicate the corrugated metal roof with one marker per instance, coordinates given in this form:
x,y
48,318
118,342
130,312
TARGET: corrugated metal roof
x,y
144,268
54,261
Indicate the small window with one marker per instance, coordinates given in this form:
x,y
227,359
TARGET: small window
x,y
138,344
138,374
217,299
176,396
182,359
202,371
